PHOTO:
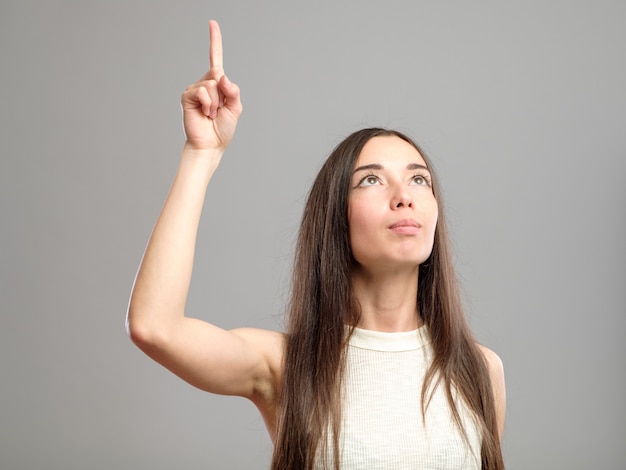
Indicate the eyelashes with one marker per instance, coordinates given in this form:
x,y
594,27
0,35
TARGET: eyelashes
x,y
372,179
421,179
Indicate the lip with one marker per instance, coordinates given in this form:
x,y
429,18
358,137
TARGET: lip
x,y
405,226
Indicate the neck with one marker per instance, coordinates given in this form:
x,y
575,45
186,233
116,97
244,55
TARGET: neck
x,y
388,300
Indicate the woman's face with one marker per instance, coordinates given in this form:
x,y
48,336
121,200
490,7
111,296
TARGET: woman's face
x,y
392,212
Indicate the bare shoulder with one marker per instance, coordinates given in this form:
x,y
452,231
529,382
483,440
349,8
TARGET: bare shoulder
x,y
496,374
493,360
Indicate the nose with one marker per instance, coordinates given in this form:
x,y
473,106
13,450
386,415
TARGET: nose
x,y
401,199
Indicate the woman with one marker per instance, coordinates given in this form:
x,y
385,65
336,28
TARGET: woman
x,y
379,368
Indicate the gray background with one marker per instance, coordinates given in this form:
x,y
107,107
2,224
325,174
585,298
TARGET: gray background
x,y
521,105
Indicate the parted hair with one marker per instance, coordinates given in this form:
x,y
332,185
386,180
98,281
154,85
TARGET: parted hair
x,y
322,305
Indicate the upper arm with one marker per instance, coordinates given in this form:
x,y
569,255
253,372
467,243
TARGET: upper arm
x,y
496,375
244,362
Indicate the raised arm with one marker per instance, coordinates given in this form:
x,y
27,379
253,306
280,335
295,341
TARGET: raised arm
x,y
239,362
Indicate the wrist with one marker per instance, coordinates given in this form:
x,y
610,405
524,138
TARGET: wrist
x,y
201,161
208,154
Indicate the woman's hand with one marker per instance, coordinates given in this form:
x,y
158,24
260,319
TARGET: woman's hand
x,y
211,106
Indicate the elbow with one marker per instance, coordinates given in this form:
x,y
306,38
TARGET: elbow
x,y
142,332
138,334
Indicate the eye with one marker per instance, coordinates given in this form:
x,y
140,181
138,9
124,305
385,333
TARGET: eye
x,y
420,180
369,180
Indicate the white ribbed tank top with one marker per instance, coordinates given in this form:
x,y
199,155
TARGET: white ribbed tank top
x,y
382,426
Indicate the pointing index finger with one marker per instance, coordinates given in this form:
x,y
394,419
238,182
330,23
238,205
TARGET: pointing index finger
x,y
215,50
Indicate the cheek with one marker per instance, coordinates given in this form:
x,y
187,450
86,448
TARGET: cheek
x,y
432,230
428,217
434,212
356,221
360,225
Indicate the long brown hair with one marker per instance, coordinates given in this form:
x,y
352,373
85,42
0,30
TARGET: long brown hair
x,y
322,303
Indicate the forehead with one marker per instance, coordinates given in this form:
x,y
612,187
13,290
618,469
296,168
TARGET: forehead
x,y
388,150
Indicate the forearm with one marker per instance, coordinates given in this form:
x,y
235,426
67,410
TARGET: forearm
x,y
162,283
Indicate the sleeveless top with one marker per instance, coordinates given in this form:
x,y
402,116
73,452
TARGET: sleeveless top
x,y
382,421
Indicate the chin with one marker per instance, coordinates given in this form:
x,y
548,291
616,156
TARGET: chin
x,y
402,259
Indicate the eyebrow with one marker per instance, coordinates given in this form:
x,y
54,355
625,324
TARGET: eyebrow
x,y
378,166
